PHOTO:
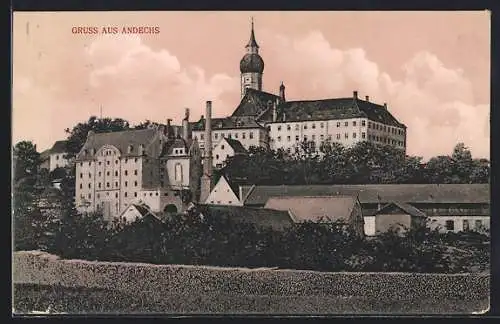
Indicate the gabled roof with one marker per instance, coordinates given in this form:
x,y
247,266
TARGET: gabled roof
x,y
144,210
121,140
45,155
328,109
315,209
254,102
59,147
383,193
235,183
236,145
409,209
261,217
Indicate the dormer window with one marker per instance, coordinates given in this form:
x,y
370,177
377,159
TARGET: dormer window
x,y
141,149
85,152
130,149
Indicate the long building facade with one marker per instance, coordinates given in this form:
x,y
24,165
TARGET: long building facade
x,y
268,120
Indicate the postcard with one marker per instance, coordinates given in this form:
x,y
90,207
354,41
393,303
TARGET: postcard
x,y
242,163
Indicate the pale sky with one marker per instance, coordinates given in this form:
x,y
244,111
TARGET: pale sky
x,y
432,68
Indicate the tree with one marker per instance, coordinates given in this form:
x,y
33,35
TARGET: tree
x,y
462,163
480,171
26,161
439,169
78,134
333,166
25,190
146,124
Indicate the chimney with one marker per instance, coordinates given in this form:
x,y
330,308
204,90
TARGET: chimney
x,y
208,131
355,94
275,112
185,125
282,91
367,98
168,128
385,105
206,179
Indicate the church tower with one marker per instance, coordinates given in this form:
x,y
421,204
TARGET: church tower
x,y
251,66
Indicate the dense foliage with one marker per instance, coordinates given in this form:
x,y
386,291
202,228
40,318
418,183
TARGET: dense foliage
x,y
214,240
364,163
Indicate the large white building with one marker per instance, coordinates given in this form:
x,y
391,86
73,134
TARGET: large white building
x,y
268,120
150,166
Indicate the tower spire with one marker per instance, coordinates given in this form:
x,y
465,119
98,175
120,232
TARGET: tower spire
x,y
252,42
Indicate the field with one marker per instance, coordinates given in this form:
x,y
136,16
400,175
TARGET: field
x,y
102,301
75,286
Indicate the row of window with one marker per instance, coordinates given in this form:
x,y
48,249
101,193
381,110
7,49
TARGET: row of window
x,y
373,125
125,194
321,137
229,135
108,162
108,184
384,128
217,156
321,125
108,173
385,140
466,226
130,149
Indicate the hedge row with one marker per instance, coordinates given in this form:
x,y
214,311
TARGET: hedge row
x,y
224,242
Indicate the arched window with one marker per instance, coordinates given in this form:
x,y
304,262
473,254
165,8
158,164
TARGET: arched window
x,y
178,172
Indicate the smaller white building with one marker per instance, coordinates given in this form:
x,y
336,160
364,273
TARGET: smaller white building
x,y
225,193
135,212
226,148
54,157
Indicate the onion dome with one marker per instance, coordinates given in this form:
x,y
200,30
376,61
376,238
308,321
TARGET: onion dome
x,y
251,62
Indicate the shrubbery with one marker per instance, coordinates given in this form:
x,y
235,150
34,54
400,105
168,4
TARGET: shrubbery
x,y
187,239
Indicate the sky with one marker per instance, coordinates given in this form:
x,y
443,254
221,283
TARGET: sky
x,y
432,68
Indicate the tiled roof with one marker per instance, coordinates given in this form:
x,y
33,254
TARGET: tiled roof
x,y
254,103
261,217
59,147
227,123
236,145
315,209
328,109
384,193
142,209
378,113
145,211
403,206
121,140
